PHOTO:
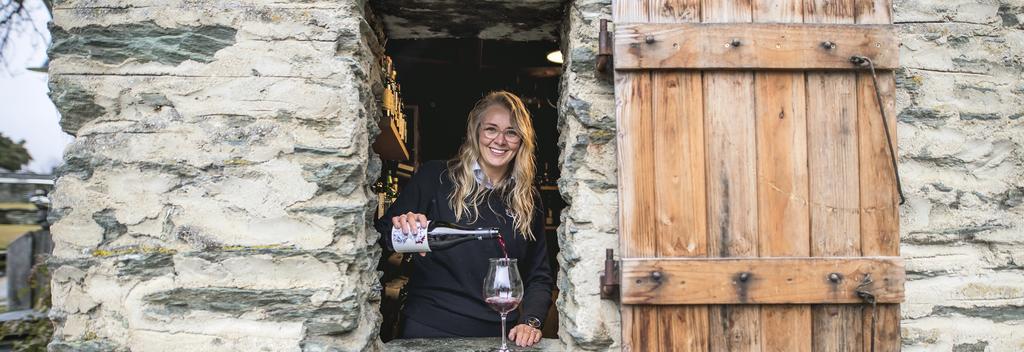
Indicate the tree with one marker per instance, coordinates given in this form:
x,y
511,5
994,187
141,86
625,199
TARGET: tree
x,y
15,16
13,155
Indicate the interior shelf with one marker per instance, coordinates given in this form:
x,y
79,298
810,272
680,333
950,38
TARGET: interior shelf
x,y
388,145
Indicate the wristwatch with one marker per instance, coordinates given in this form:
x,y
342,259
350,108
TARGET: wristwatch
x,y
533,322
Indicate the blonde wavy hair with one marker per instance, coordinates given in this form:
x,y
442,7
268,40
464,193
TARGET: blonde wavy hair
x,y
516,187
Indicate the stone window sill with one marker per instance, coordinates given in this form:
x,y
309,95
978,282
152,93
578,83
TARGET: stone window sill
x,y
465,344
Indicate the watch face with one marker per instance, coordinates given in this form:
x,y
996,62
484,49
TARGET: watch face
x,y
534,322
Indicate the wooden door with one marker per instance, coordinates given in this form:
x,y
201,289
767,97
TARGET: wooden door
x,y
757,193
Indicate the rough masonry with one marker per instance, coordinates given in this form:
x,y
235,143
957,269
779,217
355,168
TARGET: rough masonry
x,y
215,195
588,182
961,134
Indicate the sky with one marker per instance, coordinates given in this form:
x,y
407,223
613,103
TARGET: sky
x,y
26,112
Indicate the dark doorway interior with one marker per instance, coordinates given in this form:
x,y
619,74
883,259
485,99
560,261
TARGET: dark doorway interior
x,y
440,80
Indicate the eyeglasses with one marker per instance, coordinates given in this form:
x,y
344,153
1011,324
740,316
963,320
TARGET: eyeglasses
x,y
511,135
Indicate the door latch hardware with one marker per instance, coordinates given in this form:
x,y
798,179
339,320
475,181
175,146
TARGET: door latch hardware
x,y
610,277
604,49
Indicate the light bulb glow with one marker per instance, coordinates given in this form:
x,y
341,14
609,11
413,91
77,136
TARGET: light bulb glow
x,y
555,56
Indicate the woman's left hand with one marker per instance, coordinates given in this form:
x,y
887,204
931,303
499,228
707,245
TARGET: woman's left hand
x,y
524,335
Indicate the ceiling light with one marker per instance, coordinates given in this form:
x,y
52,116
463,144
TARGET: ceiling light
x,y
555,56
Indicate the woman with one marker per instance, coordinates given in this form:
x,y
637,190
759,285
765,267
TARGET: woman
x,y
489,184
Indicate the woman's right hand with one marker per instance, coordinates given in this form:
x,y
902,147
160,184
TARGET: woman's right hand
x,y
409,222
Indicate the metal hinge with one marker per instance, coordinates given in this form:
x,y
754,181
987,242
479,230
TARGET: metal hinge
x,y
604,49
610,277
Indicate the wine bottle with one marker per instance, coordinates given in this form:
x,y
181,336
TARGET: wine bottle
x,y
438,235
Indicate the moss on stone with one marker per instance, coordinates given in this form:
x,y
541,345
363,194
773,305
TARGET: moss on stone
x,y
105,253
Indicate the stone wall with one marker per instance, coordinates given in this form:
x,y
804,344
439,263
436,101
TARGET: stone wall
x,y
961,132
588,182
215,196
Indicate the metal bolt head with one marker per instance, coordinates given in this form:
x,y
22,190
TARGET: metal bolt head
x,y
735,42
744,277
834,277
656,276
649,39
828,45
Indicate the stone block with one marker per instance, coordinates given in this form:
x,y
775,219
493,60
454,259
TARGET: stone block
x,y
310,105
159,341
266,21
963,293
953,333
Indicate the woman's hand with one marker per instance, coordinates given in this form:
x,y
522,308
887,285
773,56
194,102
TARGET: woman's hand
x,y
524,335
408,223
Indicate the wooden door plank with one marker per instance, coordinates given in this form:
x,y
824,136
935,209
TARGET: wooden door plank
x,y
834,184
837,328
630,11
783,213
879,200
679,147
636,226
732,195
636,196
834,179
731,159
749,281
879,218
681,209
679,151
674,11
780,11
731,178
786,328
758,46
829,11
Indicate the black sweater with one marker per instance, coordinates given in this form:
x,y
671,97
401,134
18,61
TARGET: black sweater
x,y
446,287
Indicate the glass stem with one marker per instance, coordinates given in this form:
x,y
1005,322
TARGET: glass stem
x,y
504,333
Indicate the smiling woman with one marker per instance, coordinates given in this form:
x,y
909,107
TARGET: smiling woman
x,y
488,184
501,94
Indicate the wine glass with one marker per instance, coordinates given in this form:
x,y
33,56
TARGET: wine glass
x,y
503,289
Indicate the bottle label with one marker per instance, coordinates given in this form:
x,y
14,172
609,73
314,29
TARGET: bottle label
x,y
411,243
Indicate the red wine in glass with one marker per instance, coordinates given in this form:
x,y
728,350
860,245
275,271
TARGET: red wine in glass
x,y
502,304
503,290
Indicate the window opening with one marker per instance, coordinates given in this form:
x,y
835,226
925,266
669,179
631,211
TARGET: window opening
x,y
436,82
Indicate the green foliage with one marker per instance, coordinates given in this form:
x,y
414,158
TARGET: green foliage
x,y
37,333
32,334
13,155
40,331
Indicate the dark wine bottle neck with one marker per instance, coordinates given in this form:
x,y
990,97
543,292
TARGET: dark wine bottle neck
x,y
441,245
445,228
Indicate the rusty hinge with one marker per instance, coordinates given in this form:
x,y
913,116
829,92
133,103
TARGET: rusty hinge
x,y
604,49
610,276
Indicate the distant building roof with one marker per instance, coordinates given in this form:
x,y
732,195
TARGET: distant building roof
x,y
20,178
